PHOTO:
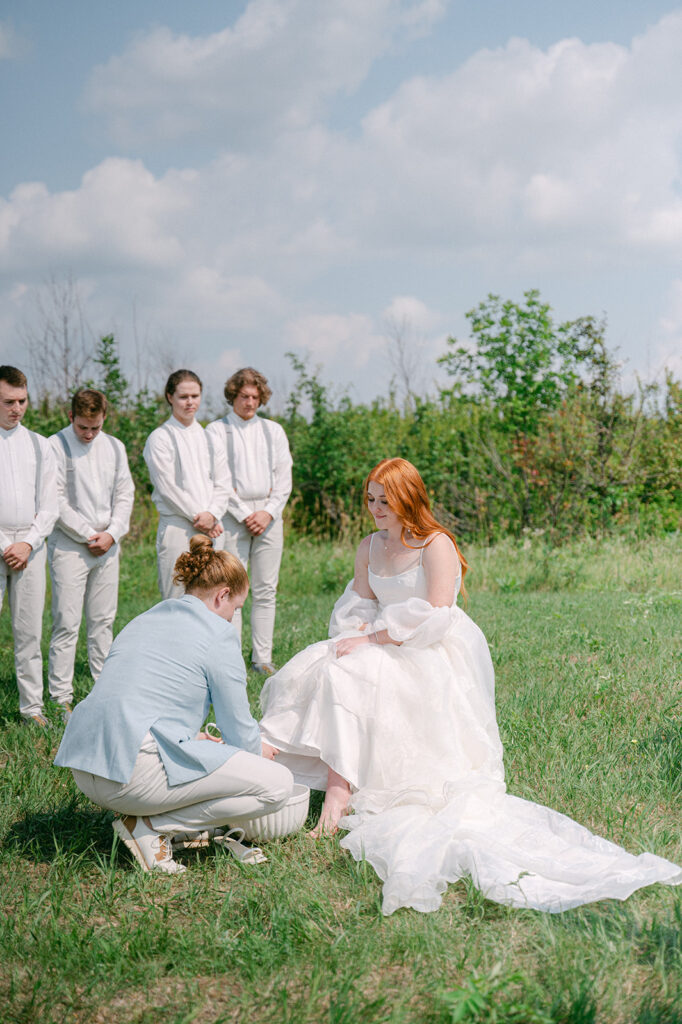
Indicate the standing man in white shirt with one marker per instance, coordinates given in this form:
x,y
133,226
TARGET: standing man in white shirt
x,y
190,478
96,495
259,464
28,511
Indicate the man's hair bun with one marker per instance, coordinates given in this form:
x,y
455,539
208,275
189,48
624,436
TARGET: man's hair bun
x,y
204,568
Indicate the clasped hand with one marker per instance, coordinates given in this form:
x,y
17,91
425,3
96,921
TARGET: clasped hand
x,y
16,555
349,643
258,522
100,543
207,523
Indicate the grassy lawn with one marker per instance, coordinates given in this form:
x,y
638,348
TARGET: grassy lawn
x,y
585,642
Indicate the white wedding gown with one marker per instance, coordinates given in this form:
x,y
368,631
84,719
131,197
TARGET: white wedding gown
x,y
413,729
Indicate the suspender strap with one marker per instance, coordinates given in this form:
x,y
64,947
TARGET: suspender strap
x,y
117,467
229,445
229,441
178,464
39,467
211,455
271,454
70,472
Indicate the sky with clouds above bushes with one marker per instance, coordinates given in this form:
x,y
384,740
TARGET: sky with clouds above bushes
x,y
228,182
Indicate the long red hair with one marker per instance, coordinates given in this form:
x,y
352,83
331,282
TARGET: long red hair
x,y
407,497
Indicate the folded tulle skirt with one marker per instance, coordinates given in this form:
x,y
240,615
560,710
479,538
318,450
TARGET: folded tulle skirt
x,y
414,732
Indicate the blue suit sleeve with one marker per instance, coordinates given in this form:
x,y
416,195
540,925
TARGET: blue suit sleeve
x,y
226,676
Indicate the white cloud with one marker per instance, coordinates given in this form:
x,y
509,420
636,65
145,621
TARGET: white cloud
x,y
332,337
518,143
118,216
218,302
273,70
230,360
668,345
9,44
412,312
521,160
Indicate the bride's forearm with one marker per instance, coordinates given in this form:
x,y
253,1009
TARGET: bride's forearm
x,y
381,637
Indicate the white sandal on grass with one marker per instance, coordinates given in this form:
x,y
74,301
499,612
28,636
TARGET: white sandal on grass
x,y
232,842
192,840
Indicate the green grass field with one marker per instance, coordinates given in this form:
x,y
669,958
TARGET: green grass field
x,y
586,644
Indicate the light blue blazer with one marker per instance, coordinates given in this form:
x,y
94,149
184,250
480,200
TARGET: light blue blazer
x,y
162,674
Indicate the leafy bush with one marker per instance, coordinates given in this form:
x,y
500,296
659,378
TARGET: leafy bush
x,y
533,436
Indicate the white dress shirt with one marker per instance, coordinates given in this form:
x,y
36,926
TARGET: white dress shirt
x,y
19,509
196,490
104,487
254,476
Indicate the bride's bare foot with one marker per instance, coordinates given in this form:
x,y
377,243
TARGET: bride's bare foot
x,y
334,807
328,825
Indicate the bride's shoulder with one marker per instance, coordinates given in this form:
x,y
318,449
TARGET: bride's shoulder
x,y
437,546
362,554
366,542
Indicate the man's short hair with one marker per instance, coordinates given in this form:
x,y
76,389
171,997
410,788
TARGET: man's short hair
x,y
247,377
89,402
15,378
177,377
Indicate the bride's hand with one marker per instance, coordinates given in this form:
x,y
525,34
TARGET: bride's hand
x,y
349,644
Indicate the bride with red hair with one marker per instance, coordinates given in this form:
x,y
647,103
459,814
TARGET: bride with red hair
x,y
394,717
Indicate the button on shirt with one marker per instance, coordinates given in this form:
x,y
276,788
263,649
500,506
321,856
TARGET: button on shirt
x,y
196,491
104,487
254,477
18,488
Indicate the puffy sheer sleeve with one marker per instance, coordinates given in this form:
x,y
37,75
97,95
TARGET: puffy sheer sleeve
x,y
415,622
352,612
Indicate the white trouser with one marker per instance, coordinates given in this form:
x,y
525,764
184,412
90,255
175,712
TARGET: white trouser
x,y
246,786
26,595
78,578
262,556
172,540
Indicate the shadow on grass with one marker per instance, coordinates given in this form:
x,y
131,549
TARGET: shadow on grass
x,y
69,831
73,831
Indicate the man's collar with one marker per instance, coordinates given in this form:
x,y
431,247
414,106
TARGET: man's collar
x,y
239,422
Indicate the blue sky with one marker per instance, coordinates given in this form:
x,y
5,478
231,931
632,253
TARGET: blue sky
x,y
226,182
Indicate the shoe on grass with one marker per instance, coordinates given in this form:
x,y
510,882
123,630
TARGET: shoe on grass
x,y
65,709
37,721
151,849
265,668
192,840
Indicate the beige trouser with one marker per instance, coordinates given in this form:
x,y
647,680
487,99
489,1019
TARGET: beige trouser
x,y
246,786
79,578
172,540
262,556
26,595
